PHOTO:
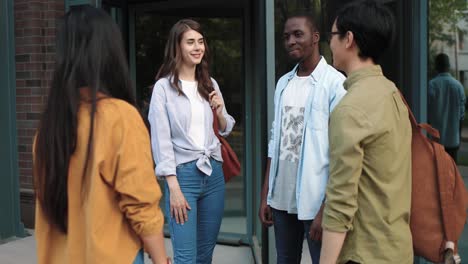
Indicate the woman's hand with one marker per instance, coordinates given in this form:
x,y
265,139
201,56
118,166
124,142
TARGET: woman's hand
x,y
179,205
154,245
216,103
166,261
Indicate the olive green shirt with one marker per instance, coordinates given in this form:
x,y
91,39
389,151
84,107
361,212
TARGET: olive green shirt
x,y
369,189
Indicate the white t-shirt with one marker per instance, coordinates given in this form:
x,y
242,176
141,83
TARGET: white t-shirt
x,y
292,128
197,124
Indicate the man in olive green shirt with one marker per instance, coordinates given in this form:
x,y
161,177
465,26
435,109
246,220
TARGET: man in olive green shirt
x,y
368,199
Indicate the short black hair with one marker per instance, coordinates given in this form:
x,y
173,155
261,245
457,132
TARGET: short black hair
x,y
442,62
314,26
372,24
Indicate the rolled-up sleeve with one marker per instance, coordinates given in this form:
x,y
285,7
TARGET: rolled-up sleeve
x,y
139,192
230,122
348,129
271,143
161,141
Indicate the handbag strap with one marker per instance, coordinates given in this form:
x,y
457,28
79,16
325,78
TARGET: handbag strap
x,y
215,123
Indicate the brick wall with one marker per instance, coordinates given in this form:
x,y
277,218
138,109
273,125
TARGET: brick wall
x,y
35,22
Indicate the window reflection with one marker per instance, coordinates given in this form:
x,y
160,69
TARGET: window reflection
x,y
447,27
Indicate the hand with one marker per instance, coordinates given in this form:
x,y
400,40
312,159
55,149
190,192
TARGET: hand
x,y
216,103
315,232
179,205
166,261
265,214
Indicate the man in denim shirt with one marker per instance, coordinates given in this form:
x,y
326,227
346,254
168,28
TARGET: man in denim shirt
x,y
446,105
297,167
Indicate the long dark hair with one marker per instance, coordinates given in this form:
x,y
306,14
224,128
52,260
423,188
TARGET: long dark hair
x,y
173,58
89,54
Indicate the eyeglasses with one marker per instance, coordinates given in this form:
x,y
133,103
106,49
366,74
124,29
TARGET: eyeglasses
x,y
330,34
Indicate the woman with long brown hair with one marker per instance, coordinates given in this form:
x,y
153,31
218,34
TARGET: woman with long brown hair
x,y
97,197
186,151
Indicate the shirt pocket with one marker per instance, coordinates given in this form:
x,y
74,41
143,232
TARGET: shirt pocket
x,y
318,120
318,115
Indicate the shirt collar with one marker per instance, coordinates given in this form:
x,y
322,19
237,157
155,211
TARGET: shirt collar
x,y
316,73
355,76
444,74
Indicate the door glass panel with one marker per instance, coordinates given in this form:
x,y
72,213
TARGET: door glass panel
x,y
447,34
224,38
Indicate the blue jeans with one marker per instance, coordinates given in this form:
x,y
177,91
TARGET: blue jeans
x,y
194,241
140,257
289,236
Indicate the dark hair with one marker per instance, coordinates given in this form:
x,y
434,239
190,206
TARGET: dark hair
x,y
372,24
442,62
89,54
173,58
309,16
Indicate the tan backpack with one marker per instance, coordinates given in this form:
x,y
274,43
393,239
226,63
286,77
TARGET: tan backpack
x,y
439,197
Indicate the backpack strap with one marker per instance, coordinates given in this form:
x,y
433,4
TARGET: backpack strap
x,y
413,121
445,192
414,124
431,131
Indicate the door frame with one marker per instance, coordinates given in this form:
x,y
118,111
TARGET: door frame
x,y
10,222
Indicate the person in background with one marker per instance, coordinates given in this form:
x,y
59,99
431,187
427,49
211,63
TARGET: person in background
x,y
367,210
297,167
446,105
97,197
186,151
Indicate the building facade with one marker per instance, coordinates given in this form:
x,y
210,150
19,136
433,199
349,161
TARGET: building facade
x,y
245,39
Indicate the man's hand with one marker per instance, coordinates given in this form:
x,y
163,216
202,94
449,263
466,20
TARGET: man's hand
x,y
315,232
265,214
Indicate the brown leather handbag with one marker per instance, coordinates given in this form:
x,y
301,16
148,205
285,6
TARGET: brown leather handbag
x,y
231,164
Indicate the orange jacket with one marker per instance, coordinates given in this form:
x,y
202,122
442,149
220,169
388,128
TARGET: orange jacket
x,y
122,198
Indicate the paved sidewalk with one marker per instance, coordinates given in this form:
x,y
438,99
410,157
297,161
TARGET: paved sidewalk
x,y
463,243
23,251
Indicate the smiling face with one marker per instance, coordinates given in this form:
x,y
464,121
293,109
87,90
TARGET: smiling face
x,y
299,39
192,47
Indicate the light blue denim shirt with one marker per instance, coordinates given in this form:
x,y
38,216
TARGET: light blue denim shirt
x,y
170,116
312,173
446,107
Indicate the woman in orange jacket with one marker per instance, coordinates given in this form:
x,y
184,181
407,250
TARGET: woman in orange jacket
x,y
97,196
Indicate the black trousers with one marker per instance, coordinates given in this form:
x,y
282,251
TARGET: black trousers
x,y
453,152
